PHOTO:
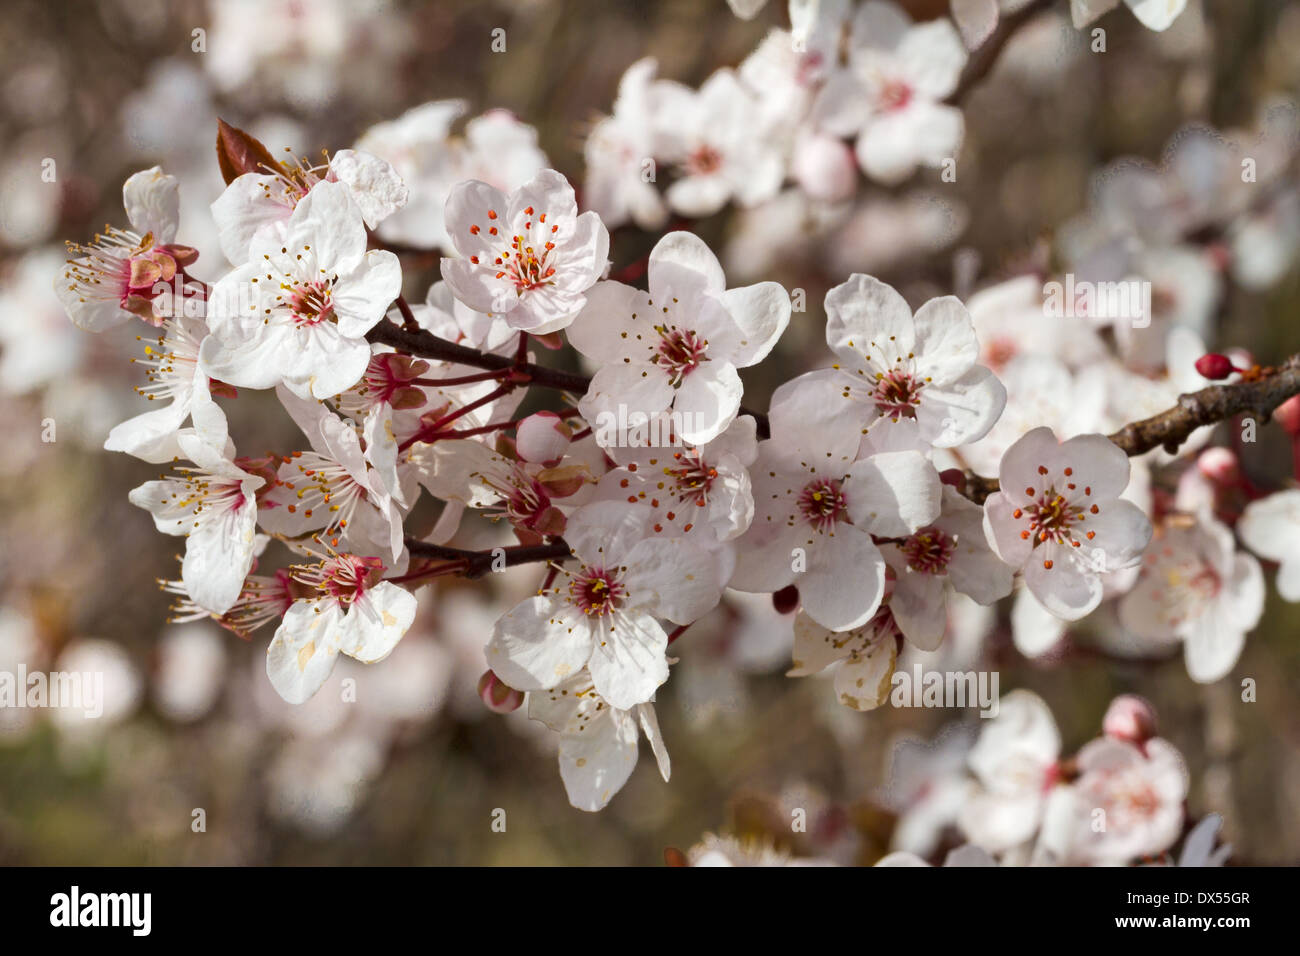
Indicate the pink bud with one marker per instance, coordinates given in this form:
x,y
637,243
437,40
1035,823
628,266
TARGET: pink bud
x,y
825,168
1214,366
500,698
542,437
1219,465
1288,415
1130,718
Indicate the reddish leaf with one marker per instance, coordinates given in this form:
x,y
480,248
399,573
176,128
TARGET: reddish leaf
x,y
238,153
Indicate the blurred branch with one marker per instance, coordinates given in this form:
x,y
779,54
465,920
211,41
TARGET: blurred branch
x,y
986,55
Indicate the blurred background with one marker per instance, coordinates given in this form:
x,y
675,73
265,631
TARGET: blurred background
x,y
413,770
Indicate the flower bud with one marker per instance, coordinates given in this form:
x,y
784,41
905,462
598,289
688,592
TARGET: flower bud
x,y
1214,366
542,437
500,698
1129,718
825,168
1288,415
1219,465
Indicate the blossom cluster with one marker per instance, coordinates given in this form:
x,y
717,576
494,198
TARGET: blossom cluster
x,y
651,490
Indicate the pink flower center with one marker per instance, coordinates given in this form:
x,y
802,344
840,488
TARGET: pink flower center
x,y
897,394
595,591
311,303
691,476
1051,516
343,577
680,352
822,503
928,551
704,161
894,95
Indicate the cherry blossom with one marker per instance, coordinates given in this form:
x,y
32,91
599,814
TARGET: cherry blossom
x,y
816,509
1015,763
255,202
349,612
598,742
602,613
1060,518
895,366
698,491
213,503
173,363
496,148
1140,791
952,550
1271,528
868,653
620,151
1196,586
677,346
119,274
332,488
298,311
529,256
714,140
1156,15
891,93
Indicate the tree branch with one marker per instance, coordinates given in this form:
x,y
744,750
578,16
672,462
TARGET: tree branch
x,y
1169,429
986,55
479,563
427,345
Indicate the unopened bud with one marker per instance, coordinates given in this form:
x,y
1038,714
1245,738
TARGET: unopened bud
x,y
1129,718
1219,465
542,437
1214,366
1288,415
500,698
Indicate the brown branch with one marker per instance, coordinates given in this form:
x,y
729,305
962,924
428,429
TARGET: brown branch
x,y
1169,429
427,345
479,563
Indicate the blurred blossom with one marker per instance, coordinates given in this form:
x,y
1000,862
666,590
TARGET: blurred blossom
x,y
190,671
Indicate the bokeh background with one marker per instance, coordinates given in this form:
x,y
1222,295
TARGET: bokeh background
x,y
413,770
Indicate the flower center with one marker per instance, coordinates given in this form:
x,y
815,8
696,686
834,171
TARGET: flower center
x,y
929,551
894,95
343,577
595,591
680,352
324,484
1051,516
822,503
704,161
692,477
310,302
897,394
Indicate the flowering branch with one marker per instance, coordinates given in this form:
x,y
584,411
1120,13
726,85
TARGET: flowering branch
x,y
1264,390
426,345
